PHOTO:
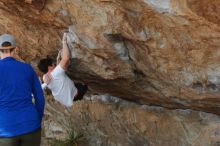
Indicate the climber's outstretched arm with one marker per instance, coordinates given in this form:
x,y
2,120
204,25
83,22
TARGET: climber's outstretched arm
x,y
65,53
59,56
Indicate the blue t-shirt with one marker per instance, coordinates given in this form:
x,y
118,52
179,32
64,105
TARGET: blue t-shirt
x,y
18,113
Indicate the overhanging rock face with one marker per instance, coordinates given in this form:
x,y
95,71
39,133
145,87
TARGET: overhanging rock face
x,y
161,52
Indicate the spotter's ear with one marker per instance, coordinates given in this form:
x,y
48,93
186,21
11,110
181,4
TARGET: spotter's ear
x,y
17,49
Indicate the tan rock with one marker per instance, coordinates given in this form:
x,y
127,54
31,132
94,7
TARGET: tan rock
x,y
161,52
128,124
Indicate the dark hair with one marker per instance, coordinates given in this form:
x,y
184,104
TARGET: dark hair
x,y
44,64
6,44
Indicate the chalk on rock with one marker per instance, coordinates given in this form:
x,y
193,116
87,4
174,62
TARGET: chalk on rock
x,y
72,36
71,40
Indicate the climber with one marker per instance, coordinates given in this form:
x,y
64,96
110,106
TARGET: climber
x,y
63,88
20,117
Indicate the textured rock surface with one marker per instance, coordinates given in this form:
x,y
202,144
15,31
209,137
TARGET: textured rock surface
x,y
128,124
161,52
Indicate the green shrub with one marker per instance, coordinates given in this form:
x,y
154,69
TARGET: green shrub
x,y
72,139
